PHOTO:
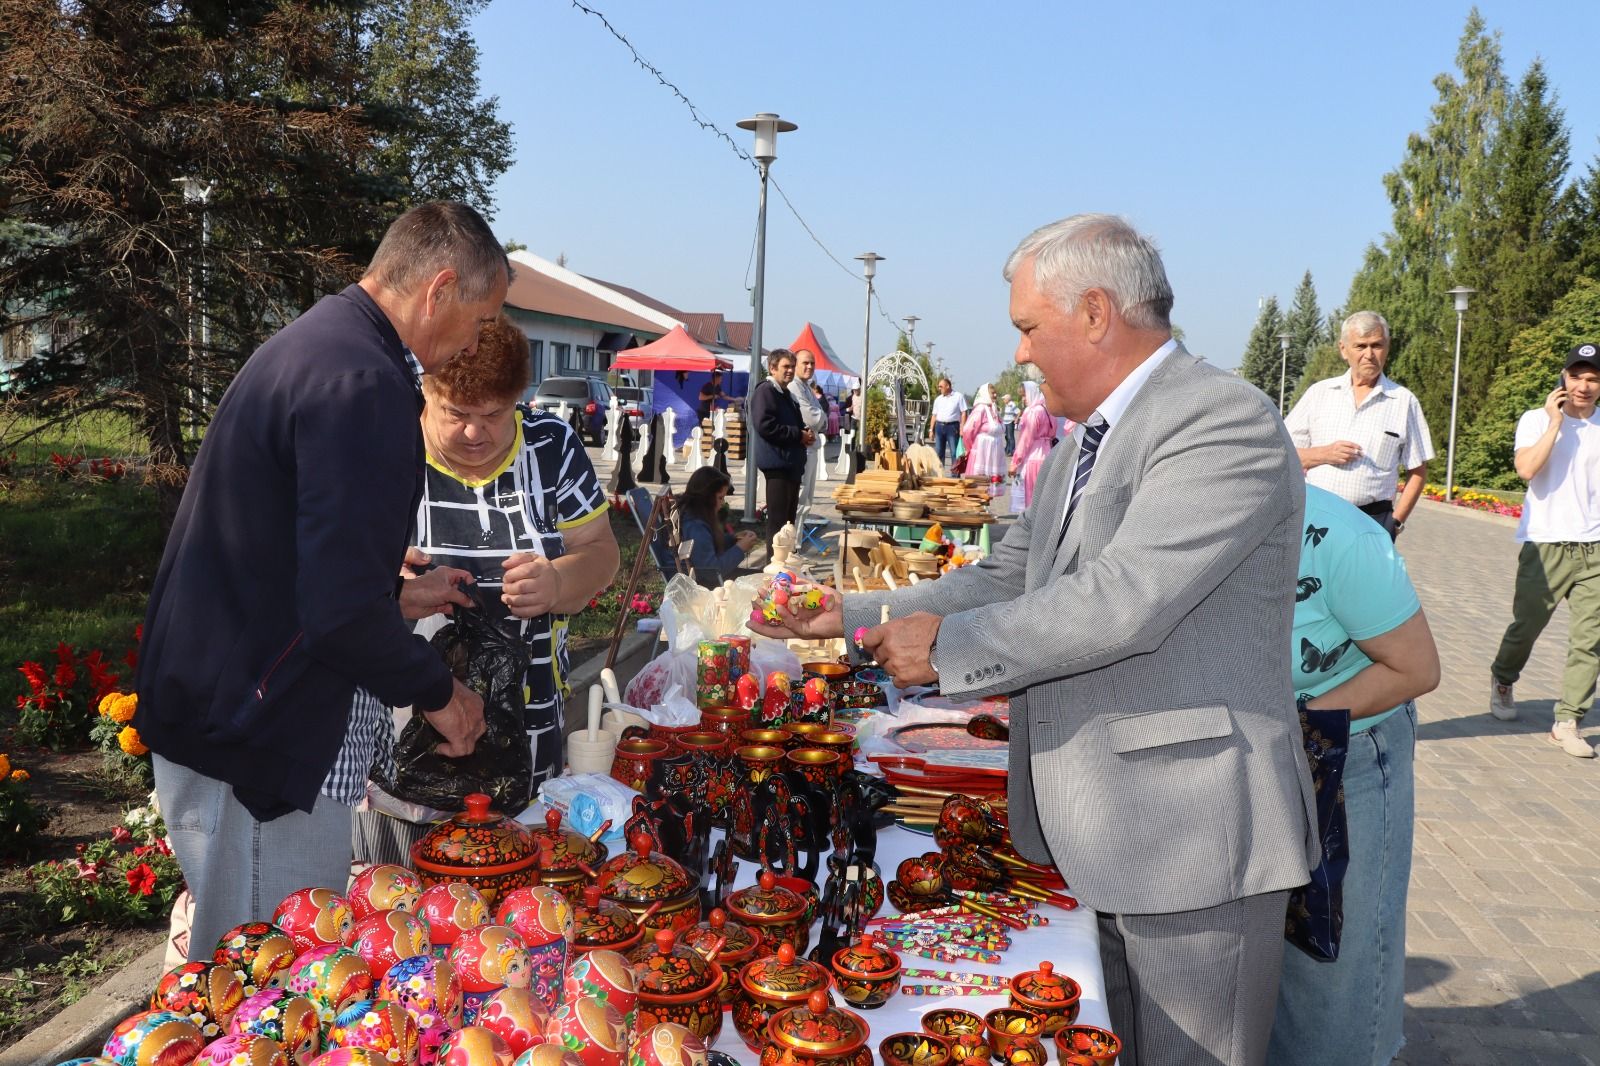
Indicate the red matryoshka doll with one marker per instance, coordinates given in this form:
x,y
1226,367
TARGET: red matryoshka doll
x,y
670,1044
207,993
606,976
591,1029
154,1038
385,887
333,979
314,918
517,1016
474,1046
261,953
542,917
385,938
289,1019
487,959
451,908
548,1055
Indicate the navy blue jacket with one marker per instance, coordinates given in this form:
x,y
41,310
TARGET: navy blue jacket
x,y
276,595
778,425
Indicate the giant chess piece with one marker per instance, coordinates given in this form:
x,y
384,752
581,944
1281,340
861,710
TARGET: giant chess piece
x,y
692,459
669,433
654,467
720,447
822,459
846,469
622,475
615,419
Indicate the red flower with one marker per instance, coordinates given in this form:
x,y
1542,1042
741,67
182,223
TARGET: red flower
x,y
36,676
142,880
120,835
132,659
66,675
138,633
64,653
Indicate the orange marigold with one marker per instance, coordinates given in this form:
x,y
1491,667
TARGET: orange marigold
x,y
106,701
128,740
20,776
5,766
119,708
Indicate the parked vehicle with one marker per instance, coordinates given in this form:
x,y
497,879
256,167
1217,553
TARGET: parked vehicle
x,y
587,401
638,403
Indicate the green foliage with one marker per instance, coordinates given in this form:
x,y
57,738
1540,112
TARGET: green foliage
x,y
1306,328
1263,353
111,883
1323,362
20,820
1522,383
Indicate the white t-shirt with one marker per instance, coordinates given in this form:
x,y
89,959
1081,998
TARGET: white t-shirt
x,y
1563,500
950,407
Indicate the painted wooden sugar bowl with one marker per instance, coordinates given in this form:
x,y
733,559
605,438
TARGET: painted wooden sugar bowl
x,y
480,847
600,924
867,973
730,943
774,913
677,984
641,878
771,984
816,1033
1045,992
566,857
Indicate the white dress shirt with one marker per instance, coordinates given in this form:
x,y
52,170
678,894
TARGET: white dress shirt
x,y
1388,426
1113,407
949,407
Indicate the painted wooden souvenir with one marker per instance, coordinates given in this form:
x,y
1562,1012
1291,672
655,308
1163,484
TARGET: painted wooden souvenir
x,y
634,761
914,1049
479,847
964,1030
348,1056
677,984
564,853
261,953
384,887
154,1038
333,979
605,976
207,993
1100,1046
1053,995
288,1018
243,1049
816,1033
489,958
1004,1025
451,909
770,984
733,944
385,938
602,924
867,973
590,1029
474,1045
427,987
548,1055
380,1026
669,1044
774,913
639,878
314,918
517,1016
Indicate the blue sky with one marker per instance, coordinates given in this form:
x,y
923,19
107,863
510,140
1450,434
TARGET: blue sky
x,y
1248,139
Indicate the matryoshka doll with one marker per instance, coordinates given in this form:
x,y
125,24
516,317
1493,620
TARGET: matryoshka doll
x,y
384,939
670,1044
243,1049
474,1045
606,976
289,1019
349,1056
517,1016
548,1055
314,918
592,1029
260,952
333,979
154,1038
487,959
450,909
207,993
378,1026
427,987
384,887
542,917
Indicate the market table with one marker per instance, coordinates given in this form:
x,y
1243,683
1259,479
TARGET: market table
x,y
976,527
1071,942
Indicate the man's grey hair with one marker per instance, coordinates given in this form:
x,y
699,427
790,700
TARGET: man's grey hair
x,y
1363,324
1087,252
440,236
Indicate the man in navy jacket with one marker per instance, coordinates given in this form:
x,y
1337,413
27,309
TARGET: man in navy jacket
x,y
278,593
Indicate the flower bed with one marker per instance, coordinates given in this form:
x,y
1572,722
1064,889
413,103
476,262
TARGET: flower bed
x,y
1477,501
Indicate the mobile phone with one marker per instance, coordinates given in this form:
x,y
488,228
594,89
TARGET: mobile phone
x,y
1561,383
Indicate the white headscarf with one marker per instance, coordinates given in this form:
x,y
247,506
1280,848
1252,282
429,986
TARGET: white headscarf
x,y
985,396
1033,392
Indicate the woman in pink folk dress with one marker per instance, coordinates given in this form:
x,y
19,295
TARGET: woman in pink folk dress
x,y
1036,431
984,435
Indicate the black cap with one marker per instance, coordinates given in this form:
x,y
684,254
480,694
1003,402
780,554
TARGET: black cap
x,y
1587,352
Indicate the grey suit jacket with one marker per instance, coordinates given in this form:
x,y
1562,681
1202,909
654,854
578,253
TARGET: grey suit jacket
x,y
1155,748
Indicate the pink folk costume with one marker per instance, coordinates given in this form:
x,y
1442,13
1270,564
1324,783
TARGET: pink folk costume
x,y
1036,431
984,436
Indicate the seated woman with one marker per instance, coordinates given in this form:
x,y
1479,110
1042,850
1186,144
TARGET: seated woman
x,y
717,554
511,497
1363,645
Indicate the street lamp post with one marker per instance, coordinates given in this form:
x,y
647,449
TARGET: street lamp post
x,y
900,385
767,126
869,268
1283,368
1460,293
196,192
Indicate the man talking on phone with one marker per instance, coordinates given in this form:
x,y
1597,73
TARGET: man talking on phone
x,y
1558,455
1355,432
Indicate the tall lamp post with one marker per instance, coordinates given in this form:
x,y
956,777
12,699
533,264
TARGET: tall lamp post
x,y
900,385
1460,293
197,192
767,126
1283,368
869,267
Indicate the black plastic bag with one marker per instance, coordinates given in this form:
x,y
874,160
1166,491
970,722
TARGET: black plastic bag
x,y
492,662
1316,910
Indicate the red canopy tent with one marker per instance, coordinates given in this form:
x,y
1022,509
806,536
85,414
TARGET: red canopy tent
x,y
813,340
675,351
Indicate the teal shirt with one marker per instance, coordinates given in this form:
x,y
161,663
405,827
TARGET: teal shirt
x,y
1353,586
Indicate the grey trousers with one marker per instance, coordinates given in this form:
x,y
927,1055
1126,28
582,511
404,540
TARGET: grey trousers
x,y
238,869
1195,988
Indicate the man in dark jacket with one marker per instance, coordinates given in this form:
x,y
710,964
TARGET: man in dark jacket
x,y
278,593
781,440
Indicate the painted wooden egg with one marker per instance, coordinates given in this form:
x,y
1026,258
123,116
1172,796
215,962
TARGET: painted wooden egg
x,y
289,1019
451,909
350,1056
427,987
474,1046
539,915
385,887
489,958
548,1055
670,1044
314,918
385,938
207,993
260,952
243,1049
517,1016
332,978
154,1038
379,1026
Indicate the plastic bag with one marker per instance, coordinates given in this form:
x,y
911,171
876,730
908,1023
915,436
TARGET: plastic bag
x,y
492,662
659,674
769,655
687,614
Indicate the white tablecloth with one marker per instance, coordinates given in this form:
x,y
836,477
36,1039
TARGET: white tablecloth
x,y
1070,942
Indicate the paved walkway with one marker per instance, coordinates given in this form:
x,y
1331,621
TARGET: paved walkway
x,y
1503,941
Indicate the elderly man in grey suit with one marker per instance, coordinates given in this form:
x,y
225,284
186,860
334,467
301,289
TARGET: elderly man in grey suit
x,y
1139,615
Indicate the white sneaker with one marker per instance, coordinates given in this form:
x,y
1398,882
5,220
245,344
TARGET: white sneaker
x,y
1502,702
1564,735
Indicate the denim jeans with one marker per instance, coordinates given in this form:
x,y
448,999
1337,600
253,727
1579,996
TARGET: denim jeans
x,y
946,434
1348,1013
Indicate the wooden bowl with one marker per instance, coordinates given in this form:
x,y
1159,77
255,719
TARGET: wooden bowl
x,y
909,512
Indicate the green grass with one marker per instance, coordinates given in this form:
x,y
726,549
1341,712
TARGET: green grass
x,y
95,435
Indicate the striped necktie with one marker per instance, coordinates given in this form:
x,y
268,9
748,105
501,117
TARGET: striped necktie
x,y
1092,436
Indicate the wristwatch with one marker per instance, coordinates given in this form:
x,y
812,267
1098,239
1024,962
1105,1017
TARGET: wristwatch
x,y
933,652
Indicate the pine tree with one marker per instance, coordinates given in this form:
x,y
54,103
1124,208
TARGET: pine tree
x,y
1305,327
1263,352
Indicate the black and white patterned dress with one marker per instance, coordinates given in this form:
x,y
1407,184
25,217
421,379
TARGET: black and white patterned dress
x,y
545,487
